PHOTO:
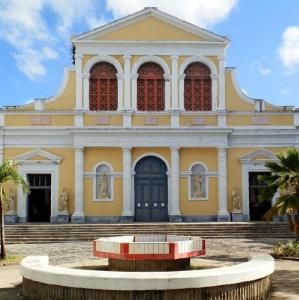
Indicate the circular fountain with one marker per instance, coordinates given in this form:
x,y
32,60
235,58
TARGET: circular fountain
x,y
148,267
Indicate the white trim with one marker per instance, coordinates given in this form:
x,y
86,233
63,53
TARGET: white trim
x,y
249,164
167,173
50,158
206,181
151,58
111,177
24,170
214,78
86,74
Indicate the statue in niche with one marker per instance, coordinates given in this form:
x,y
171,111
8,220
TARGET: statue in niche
x,y
10,202
197,186
103,187
63,201
236,200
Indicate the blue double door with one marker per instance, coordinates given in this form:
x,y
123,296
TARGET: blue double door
x,y
151,190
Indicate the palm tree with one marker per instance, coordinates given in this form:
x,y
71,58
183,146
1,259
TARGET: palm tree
x,y
284,179
8,173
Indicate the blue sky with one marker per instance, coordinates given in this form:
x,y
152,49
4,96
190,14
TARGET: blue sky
x,y
34,41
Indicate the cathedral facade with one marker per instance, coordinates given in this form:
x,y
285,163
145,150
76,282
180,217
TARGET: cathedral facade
x,y
149,126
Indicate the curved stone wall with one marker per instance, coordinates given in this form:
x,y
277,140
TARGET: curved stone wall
x,y
249,280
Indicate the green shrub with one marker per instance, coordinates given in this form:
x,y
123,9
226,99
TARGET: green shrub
x,y
291,248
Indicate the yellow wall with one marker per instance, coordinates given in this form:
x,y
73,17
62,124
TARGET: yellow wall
x,y
138,152
139,120
149,29
188,120
26,120
208,156
246,120
66,168
234,171
114,120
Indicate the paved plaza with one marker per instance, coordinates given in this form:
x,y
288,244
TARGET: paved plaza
x,y
285,282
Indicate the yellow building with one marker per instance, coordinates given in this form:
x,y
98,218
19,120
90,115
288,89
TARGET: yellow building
x,y
149,125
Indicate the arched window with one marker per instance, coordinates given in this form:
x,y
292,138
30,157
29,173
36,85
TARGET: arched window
x,y
103,87
150,87
103,183
198,88
198,182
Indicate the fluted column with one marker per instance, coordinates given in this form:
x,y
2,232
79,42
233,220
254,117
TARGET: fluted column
x,y
222,185
78,65
175,214
120,90
78,215
214,78
127,213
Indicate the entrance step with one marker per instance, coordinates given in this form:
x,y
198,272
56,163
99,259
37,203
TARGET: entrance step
x,y
55,233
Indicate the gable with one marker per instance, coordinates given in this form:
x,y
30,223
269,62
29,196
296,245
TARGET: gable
x,y
259,155
149,29
38,156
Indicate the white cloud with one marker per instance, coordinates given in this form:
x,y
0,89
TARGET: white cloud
x,y
23,25
264,70
289,49
285,91
201,12
259,66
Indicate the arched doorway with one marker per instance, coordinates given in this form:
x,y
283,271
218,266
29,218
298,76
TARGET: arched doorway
x,y
150,184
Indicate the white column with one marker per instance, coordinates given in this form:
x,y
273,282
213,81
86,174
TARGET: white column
x,y
222,185
78,215
134,91
86,91
78,65
181,91
214,78
127,184
174,83
127,82
120,91
167,79
175,214
221,82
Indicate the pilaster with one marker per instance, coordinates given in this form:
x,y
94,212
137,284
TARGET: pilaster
x,y
175,214
221,82
127,214
127,82
181,91
78,65
222,185
78,215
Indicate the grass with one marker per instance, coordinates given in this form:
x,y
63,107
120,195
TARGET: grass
x,y
10,260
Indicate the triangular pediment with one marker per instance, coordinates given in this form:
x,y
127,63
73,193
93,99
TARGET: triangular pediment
x,y
150,24
38,156
259,155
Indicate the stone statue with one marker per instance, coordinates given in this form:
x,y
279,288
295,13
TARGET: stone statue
x,y
236,200
197,186
103,187
10,202
63,201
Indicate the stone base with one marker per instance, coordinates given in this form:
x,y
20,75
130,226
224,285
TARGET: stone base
x,y
126,219
77,219
175,219
61,219
10,219
237,217
223,218
199,218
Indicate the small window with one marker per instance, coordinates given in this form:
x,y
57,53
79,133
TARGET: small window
x,y
103,183
198,182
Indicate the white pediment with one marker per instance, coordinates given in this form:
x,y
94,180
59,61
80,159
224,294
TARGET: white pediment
x,y
155,13
261,155
41,155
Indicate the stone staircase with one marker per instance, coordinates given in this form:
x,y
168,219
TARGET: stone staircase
x,y
55,233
